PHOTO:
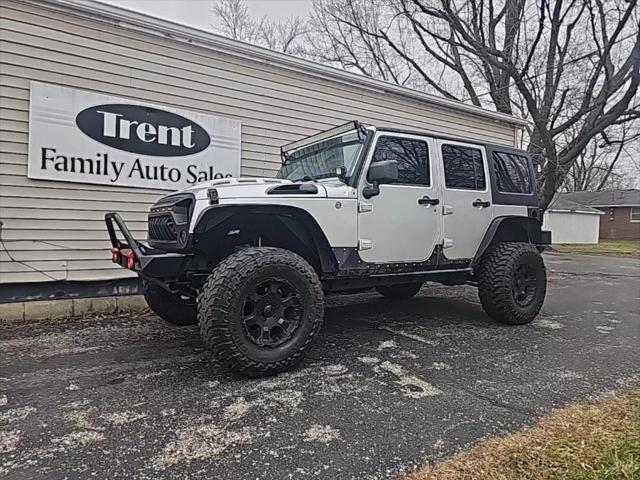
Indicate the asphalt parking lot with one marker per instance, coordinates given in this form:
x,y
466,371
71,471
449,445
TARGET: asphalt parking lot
x,y
388,386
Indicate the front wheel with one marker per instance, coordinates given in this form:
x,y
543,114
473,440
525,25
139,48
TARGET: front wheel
x,y
512,282
173,308
260,310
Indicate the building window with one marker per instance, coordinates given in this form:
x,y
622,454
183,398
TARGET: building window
x,y
635,214
513,174
463,167
412,157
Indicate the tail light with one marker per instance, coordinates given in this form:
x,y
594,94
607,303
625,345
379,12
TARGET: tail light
x,y
115,255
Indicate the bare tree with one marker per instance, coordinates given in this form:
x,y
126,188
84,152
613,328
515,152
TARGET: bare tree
x,y
572,68
234,21
336,43
607,161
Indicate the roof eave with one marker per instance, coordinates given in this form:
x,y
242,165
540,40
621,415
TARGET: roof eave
x,y
634,205
564,210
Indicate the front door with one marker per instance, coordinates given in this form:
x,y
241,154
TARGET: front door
x,y
402,222
466,199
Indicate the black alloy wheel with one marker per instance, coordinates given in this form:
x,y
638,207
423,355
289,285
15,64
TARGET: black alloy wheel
x,y
272,313
524,285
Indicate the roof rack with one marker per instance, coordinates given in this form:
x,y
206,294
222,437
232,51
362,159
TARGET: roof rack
x,y
318,137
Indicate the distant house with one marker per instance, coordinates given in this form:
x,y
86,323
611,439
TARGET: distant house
x,y
621,208
571,222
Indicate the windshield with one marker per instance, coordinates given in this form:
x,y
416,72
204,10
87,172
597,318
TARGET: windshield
x,y
322,159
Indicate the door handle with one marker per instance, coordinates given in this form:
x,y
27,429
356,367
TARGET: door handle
x,y
428,201
480,203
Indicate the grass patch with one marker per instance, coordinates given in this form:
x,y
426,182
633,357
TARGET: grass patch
x,y
585,441
605,247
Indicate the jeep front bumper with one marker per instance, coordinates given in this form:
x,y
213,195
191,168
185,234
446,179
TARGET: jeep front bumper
x,y
150,263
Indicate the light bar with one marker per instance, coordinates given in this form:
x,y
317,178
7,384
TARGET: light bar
x,y
318,137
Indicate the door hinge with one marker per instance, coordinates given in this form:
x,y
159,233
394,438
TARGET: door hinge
x,y
365,244
447,243
364,207
447,209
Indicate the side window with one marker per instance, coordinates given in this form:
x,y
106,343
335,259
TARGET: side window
x,y
412,157
513,174
463,167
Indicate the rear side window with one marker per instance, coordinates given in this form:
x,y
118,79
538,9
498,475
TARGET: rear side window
x,y
412,157
513,174
463,167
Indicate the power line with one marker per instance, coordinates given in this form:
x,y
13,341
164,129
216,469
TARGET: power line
x,y
45,274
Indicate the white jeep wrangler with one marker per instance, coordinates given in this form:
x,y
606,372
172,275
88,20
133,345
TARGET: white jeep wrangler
x,y
352,208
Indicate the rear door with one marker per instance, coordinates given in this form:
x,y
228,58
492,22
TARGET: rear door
x,y
466,196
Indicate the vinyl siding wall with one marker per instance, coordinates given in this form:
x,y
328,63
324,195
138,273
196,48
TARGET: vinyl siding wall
x,y
57,227
572,227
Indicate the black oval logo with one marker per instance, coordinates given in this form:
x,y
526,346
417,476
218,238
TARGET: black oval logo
x,y
143,130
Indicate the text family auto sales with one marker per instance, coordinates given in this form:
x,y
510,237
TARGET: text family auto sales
x,y
87,137
104,165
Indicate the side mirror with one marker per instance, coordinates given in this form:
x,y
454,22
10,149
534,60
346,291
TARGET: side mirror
x,y
383,172
341,173
380,172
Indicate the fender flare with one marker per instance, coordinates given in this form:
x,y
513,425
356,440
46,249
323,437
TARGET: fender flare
x,y
531,226
298,222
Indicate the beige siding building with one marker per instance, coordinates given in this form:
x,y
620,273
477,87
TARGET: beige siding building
x,y
53,231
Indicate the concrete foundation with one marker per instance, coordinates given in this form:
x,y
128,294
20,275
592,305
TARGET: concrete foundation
x,y
56,309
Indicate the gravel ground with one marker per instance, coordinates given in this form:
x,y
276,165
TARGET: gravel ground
x,y
389,385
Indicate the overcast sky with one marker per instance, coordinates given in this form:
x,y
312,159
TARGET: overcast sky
x,y
197,13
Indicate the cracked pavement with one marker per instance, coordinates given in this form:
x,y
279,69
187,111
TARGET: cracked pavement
x,y
388,386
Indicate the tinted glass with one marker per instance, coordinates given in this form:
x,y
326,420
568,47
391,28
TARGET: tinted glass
x,y
412,157
512,173
463,167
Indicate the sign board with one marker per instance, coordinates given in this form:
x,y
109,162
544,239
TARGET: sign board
x,y
87,137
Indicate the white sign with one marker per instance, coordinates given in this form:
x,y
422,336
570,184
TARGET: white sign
x,y
80,136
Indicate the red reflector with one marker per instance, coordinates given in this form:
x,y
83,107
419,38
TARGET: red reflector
x,y
115,255
131,260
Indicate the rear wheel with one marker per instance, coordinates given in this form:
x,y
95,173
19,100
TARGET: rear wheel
x,y
260,310
402,291
173,308
512,282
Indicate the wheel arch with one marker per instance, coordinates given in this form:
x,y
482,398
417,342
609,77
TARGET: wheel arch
x,y
509,229
221,229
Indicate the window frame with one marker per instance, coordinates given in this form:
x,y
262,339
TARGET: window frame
x,y
631,220
400,136
485,166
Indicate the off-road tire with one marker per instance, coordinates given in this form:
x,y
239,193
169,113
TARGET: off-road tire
x,y
403,291
170,307
222,300
496,282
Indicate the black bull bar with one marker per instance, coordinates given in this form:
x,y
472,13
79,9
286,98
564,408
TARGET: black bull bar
x,y
139,257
